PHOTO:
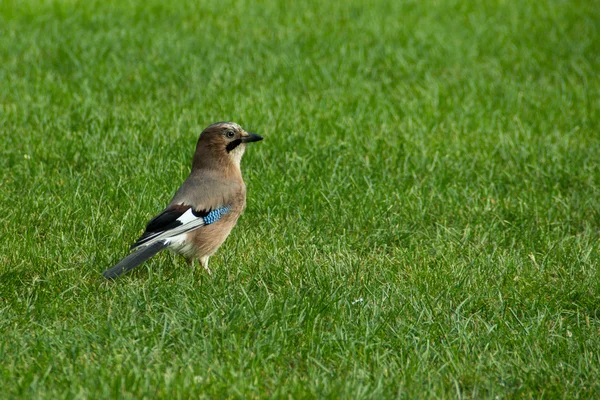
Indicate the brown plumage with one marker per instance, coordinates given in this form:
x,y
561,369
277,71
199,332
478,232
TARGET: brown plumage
x,y
205,208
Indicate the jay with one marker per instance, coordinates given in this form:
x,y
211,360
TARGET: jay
x,y
205,208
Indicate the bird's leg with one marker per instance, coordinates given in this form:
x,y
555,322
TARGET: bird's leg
x,y
204,262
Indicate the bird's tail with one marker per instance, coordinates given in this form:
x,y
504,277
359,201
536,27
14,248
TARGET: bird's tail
x,y
134,259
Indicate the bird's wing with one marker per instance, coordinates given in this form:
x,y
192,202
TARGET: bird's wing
x,y
176,220
161,231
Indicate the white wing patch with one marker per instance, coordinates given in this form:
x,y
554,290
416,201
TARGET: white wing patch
x,y
187,217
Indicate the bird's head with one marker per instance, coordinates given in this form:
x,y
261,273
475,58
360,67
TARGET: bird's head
x,y
222,143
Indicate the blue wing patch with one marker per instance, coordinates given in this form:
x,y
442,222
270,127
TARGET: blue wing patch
x,y
216,215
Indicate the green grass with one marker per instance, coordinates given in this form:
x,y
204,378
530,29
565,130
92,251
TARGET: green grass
x,y
423,215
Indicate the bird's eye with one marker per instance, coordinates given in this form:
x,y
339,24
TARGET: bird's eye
x,y
229,134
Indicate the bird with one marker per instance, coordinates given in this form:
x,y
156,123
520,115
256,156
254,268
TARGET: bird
x,y
206,206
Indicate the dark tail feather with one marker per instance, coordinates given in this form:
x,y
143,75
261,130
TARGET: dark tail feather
x,y
133,260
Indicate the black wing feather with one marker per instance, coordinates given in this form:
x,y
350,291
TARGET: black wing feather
x,y
165,221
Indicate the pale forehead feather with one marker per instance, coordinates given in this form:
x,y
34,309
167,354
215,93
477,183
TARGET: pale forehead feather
x,y
225,125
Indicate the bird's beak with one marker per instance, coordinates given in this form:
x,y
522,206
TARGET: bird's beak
x,y
252,137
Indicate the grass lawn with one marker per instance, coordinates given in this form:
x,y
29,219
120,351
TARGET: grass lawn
x,y
423,215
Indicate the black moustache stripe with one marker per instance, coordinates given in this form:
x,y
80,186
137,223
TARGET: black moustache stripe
x,y
232,145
